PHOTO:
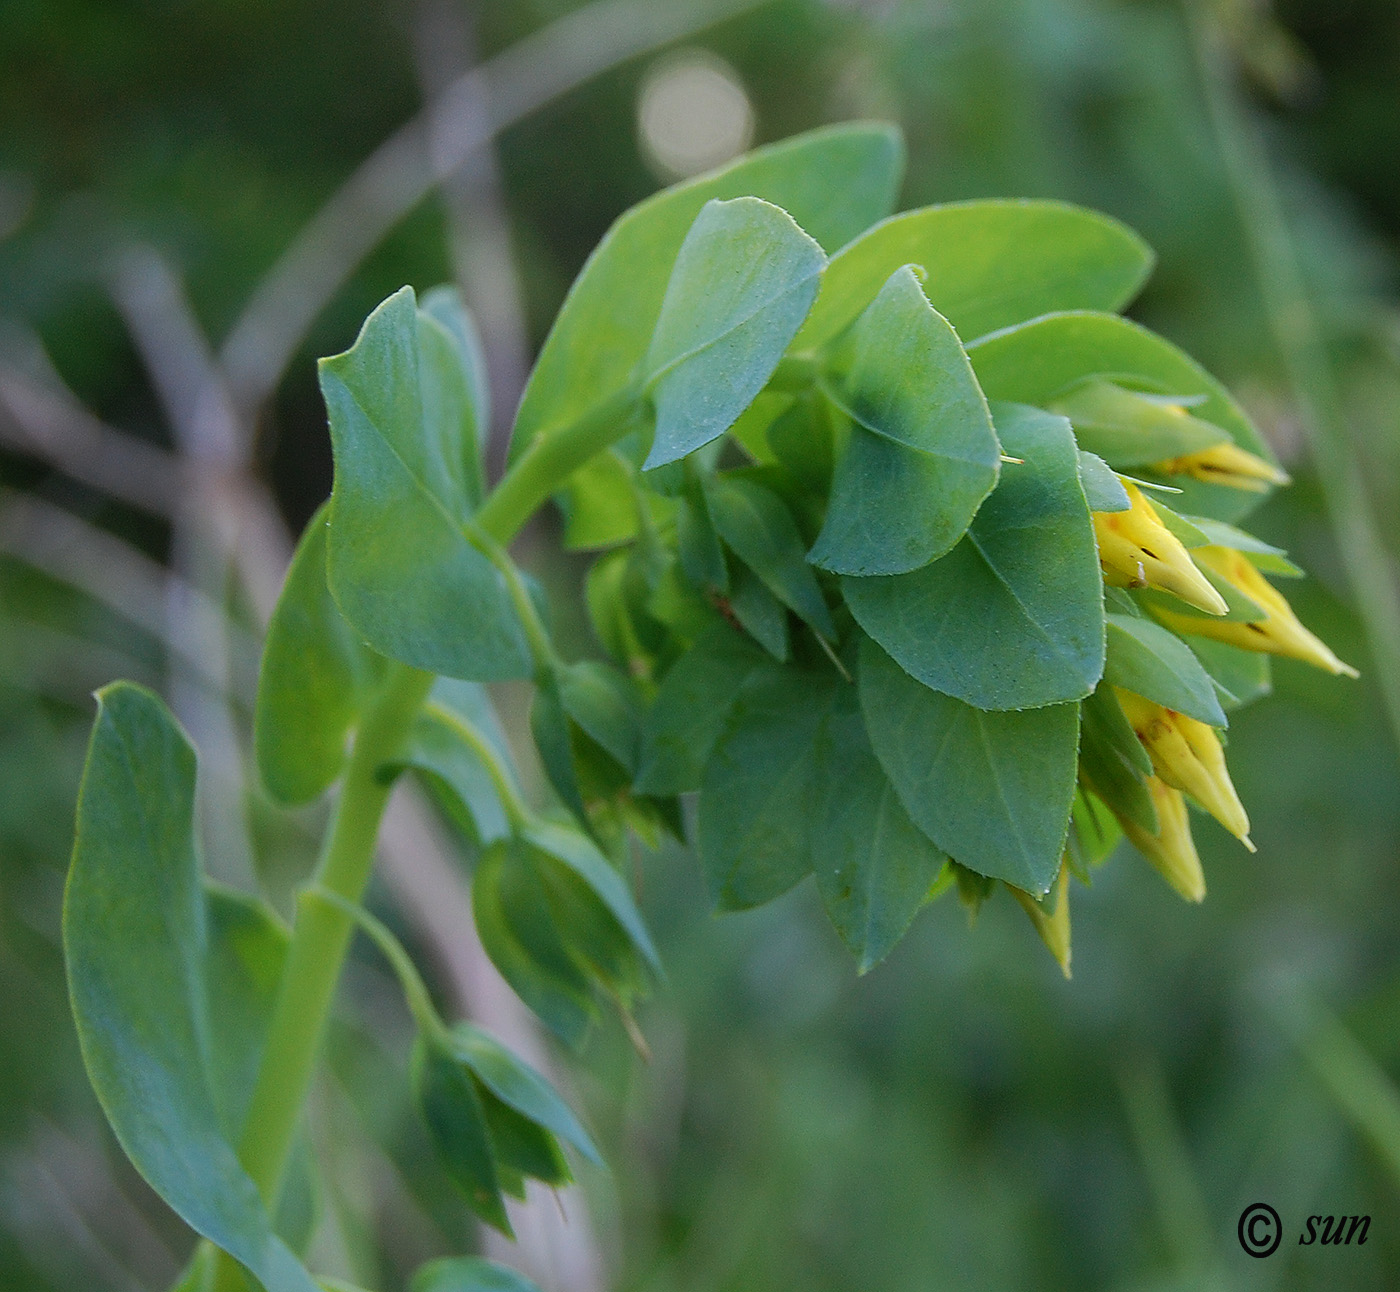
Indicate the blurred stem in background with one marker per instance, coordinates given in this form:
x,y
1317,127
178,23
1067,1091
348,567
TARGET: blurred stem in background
x,y
1301,345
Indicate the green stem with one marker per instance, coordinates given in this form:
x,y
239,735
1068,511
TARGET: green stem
x,y
320,941
516,812
415,990
327,911
1300,342
549,460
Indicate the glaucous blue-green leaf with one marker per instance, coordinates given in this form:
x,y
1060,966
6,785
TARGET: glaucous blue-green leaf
x,y
1012,617
757,526
437,746
576,853
1040,361
760,613
743,281
1156,664
468,1274
1240,676
873,866
517,933
316,677
690,708
517,1085
1113,761
404,566
989,264
922,454
549,726
834,182
246,949
757,799
1102,487
452,1108
135,938
993,790
456,390
606,705
1130,429
697,544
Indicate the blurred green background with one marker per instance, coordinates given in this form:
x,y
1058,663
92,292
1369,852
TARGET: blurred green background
x,y
961,1117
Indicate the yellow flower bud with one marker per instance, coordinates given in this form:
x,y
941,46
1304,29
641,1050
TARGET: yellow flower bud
x,y
1171,850
1278,633
1053,928
1186,754
1226,464
1137,551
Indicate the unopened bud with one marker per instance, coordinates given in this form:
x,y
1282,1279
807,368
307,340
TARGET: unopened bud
x,y
1137,551
1186,754
1171,850
1053,927
1226,464
1278,633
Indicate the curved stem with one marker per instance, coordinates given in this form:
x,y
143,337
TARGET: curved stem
x,y
549,460
415,990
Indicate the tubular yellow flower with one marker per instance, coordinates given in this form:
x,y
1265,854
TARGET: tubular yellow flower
x,y
1278,633
1226,464
1053,928
1137,551
1171,850
1186,754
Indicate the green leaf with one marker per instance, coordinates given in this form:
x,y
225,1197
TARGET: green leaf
x,y
606,705
1129,429
760,613
247,947
404,566
1102,487
437,747
757,526
529,959
922,454
874,867
1039,361
697,544
468,1274
989,264
1112,759
456,391
519,1086
549,725
1093,836
576,853
135,941
743,281
448,1100
993,790
757,800
1264,556
315,679
1147,659
1012,617
835,182
690,709
1241,676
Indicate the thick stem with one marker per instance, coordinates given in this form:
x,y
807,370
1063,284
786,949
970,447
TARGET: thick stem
x,y
324,928
319,943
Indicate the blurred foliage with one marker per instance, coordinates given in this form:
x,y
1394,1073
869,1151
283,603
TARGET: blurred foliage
x,y
960,1118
